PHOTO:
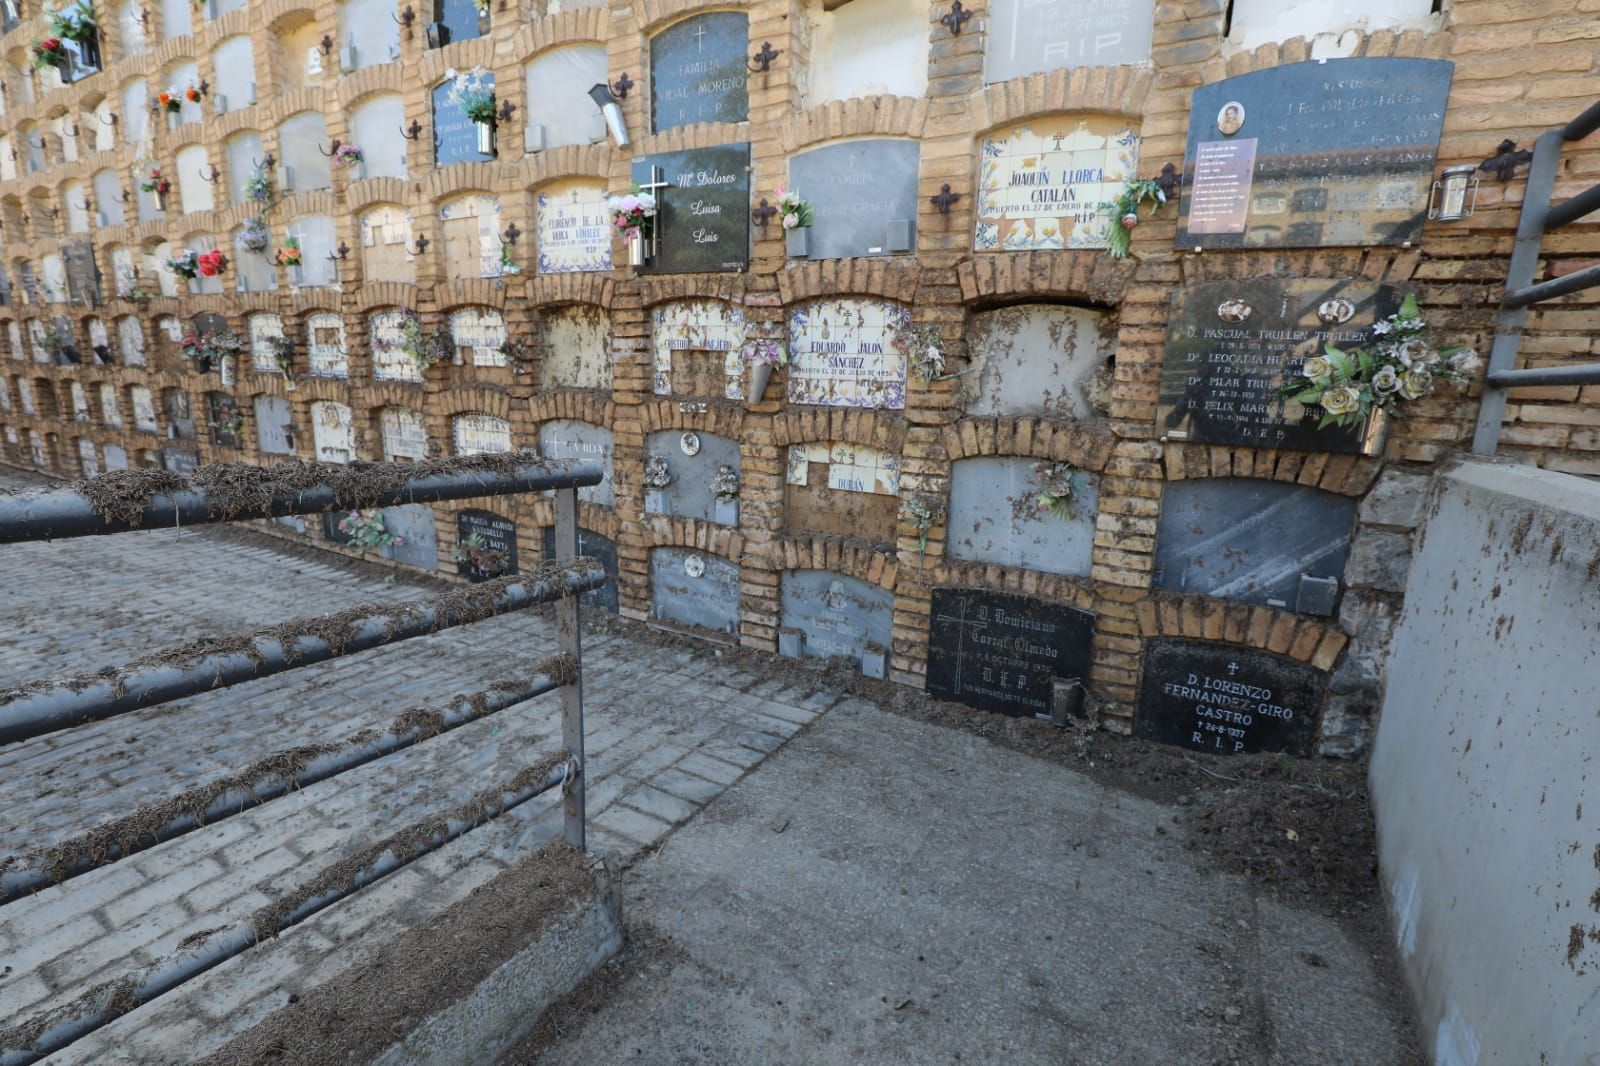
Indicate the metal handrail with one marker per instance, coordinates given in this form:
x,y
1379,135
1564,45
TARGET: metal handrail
x,y
34,710
1537,217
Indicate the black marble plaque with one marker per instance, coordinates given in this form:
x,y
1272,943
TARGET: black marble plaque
x,y
1262,542
1228,700
863,193
499,535
703,213
601,549
83,277
1001,653
1232,344
698,71
210,322
455,136
1313,155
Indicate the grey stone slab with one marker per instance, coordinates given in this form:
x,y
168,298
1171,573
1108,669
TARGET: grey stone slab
x,y
864,195
1029,36
698,71
838,615
1379,560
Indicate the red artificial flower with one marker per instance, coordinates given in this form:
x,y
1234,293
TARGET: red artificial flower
x,y
192,94
210,264
51,44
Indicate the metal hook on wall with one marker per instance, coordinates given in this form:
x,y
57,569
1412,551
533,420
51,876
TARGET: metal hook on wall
x,y
215,175
342,253
333,148
411,132
421,246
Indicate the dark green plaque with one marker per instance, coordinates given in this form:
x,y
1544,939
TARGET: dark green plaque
x,y
698,71
703,218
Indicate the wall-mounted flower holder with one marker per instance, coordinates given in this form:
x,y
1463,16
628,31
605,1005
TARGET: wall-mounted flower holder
x,y
760,374
637,248
797,242
486,138
725,512
655,501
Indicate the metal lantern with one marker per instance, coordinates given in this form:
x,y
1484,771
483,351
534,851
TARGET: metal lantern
x,y
1448,200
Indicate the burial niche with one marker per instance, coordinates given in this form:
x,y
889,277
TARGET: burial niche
x,y
404,433
1271,543
697,348
386,336
842,353
563,438
692,475
480,434
694,589
698,71
266,335
333,432
1048,183
826,614
486,546
1039,359
867,48
864,196
143,405
374,125
479,337
575,348
573,231
1029,36
997,514
370,35
234,67
386,243
301,140
470,226
1228,700
416,538
274,425
558,82
110,409
325,350
455,136
603,550
843,489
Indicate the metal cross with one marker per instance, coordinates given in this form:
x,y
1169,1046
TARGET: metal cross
x,y
944,199
1506,160
956,18
763,214
658,180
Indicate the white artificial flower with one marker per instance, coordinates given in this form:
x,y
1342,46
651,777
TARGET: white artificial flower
x,y
1415,384
1341,400
1317,368
450,73
1465,362
791,221
1386,380
1380,327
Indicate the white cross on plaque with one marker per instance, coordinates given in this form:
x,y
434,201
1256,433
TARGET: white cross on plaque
x,y
699,38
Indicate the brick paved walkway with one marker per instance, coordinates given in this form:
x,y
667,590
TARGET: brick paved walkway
x,y
664,736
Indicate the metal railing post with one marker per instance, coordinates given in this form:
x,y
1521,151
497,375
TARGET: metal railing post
x,y
567,639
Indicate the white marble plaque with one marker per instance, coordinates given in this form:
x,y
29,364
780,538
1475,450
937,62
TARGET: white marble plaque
x,y
478,434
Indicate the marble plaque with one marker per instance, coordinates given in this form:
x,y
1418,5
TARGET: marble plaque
x,y
1002,653
116,457
499,538
601,549
274,426
698,71
995,517
564,438
333,432
703,210
1048,183
574,231
863,194
413,524
180,460
405,434
694,588
1232,344
696,348
1228,700
1313,155
691,495
455,136
842,353
838,614
479,434
1029,36
456,20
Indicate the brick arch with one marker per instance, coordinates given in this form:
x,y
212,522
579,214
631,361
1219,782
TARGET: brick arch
x,y
1086,277
865,116
568,161
475,398
672,531
309,301
660,289
470,292
890,279
458,180
874,429
586,25
253,303
1086,446
1345,475
244,120
840,555
232,24
657,15
368,193
383,295
163,55
369,81
461,55
309,389
1120,90
591,517
694,135
1078,592
319,202
723,420
268,385
570,405
276,11
1412,43
297,102
554,290
1303,639
381,394
184,136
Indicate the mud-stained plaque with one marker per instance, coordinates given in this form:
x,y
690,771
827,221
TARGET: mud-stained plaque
x,y
602,550
696,349
694,589
1048,183
837,615
843,353
842,488
486,545
1232,344
1313,155
1004,653
995,516
693,491
1228,700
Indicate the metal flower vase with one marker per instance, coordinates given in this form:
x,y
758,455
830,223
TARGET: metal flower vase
x,y
760,374
486,138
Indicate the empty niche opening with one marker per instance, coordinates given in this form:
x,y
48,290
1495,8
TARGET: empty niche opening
x,y
1039,359
1252,23
1269,543
997,514
867,47
842,489
575,348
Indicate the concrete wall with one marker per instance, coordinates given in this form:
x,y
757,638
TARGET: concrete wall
x,y
1488,828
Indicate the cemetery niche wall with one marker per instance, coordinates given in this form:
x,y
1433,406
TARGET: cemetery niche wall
x,y
449,300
